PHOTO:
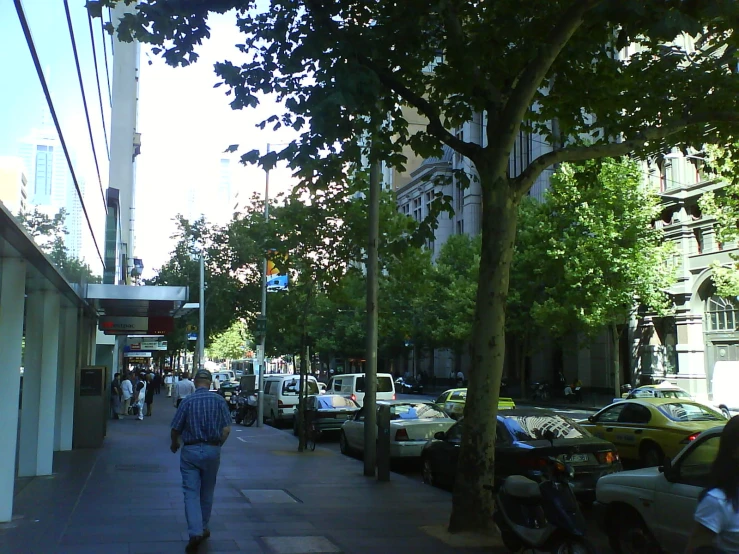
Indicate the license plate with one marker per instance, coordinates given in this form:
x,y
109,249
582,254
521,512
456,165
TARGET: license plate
x,y
576,458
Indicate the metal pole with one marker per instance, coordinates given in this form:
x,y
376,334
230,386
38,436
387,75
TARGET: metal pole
x,y
201,311
370,375
261,359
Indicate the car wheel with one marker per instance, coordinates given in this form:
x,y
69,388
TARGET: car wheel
x,y
628,534
344,445
427,471
652,455
579,546
273,419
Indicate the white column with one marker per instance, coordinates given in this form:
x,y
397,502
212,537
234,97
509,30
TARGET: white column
x,y
67,374
12,298
39,386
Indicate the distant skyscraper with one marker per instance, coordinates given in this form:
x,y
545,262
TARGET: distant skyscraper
x,y
212,195
13,185
50,184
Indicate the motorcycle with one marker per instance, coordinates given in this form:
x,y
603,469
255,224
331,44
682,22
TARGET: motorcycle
x,y
233,404
542,516
246,414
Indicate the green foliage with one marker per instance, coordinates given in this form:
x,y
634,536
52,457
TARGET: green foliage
x,y
230,344
597,250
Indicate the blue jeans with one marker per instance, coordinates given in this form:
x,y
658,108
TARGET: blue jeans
x,y
199,467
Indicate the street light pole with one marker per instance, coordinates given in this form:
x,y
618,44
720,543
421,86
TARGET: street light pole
x,y
370,372
263,342
201,312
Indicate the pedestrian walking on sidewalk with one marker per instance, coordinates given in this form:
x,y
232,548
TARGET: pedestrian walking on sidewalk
x,y
139,396
204,423
127,393
169,381
149,397
182,389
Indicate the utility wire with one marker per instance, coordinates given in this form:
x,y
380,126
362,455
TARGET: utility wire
x,y
97,78
47,95
105,55
84,97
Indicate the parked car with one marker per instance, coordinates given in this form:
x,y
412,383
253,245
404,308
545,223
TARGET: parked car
x,y
521,449
352,385
651,509
321,387
648,430
281,396
452,401
665,389
328,411
410,386
412,424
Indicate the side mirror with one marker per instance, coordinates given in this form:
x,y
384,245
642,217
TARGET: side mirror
x,y
440,435
667,469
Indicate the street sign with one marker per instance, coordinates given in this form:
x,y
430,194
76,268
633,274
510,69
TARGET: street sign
x,y
192,336
121,325
137,354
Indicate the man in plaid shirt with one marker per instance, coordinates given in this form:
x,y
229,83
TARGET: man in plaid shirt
x,y
203,421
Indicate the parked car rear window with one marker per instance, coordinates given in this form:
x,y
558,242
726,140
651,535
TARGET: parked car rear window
x,y
532,427
415,411
457,396
679,411
331,401
290,387
384,384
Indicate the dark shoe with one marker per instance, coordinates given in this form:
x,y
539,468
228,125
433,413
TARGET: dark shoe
x,y
192,546
206,533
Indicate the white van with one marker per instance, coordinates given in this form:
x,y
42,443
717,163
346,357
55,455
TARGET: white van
x,y
224,375
281,396
352,385
726,387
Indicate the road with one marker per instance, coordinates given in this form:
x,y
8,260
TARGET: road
x,y
412,471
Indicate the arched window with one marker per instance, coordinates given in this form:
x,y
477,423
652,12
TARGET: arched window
x,y
721,314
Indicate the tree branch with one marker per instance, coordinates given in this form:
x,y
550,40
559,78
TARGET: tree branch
x,y
528,176
522,94
391,81
457,43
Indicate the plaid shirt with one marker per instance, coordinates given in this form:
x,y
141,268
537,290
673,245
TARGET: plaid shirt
x,y
201,417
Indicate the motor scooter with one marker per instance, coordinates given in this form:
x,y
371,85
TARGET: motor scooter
x,y
542,516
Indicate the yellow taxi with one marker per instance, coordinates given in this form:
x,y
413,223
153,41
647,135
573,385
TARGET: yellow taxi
x,y
452,402
648,430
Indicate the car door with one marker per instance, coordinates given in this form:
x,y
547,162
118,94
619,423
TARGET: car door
x,y
439,402
269,404
448,454
630,428
354,431
676,494
602,424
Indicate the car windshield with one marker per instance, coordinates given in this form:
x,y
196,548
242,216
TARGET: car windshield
x,y
331,401
290,387
533,427
415,411
682,411
674,394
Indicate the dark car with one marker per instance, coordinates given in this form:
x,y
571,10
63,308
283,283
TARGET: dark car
x,y
520,449
409,386
328,411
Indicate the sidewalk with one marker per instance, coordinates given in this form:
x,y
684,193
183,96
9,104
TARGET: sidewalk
x,y
125,498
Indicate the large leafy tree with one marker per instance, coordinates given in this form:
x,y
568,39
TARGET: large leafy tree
x,y
346,69
595,252
230,344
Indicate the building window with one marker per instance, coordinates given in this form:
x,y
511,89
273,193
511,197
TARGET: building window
x,y
721,314
429,201
460,226
417,212
44,166
406,209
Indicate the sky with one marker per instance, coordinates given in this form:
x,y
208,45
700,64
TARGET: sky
x,y
185,123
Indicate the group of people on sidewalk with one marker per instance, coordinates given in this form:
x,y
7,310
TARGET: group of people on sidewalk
x,y
132,393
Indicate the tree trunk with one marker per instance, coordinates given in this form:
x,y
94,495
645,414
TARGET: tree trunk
x,y
615,360
472,504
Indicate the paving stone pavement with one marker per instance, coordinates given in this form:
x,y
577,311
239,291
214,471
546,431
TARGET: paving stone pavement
x,y
125,498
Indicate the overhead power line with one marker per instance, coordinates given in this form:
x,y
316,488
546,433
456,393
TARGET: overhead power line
x,y
84,97
97,78
105,55
47,95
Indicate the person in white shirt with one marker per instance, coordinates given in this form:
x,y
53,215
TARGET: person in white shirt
x,y
169,381
126,394
183,389
717,514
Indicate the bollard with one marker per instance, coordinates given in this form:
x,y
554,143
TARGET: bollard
x,y
383,441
